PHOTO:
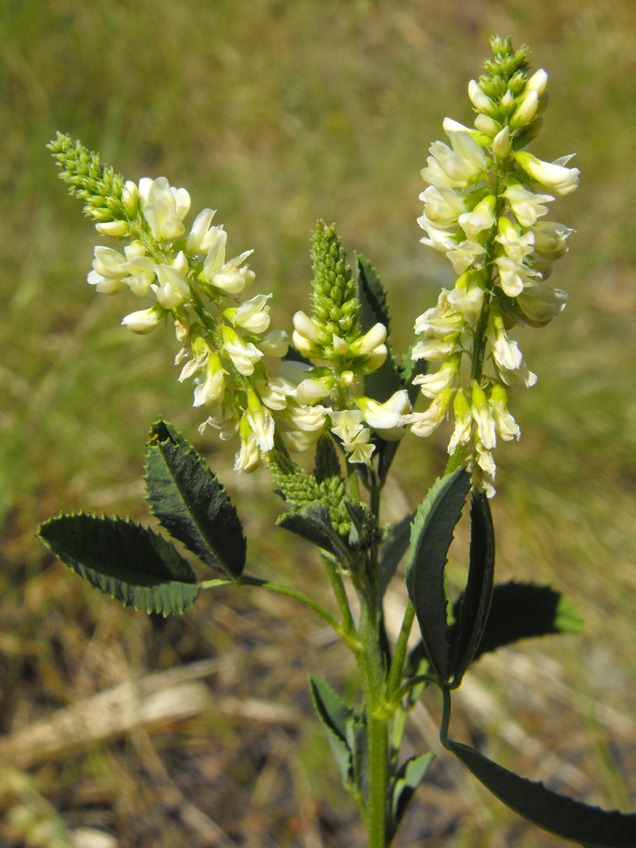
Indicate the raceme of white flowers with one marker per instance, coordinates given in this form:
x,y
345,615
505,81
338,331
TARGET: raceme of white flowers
x,y
228,348
483,210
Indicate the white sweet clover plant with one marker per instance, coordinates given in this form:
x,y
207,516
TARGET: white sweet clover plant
x,y
337,387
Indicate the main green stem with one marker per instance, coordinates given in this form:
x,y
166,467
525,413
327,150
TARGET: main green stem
x,y
371,664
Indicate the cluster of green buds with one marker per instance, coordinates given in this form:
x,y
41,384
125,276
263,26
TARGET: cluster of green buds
x,y
482,210
225,339
342,354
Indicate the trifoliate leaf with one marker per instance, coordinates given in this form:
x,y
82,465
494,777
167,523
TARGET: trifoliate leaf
x,y
187,498
125,560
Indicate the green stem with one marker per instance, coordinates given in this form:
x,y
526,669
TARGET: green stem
x,y
288,592
371,665
446,715
378,740
413,682
397,666
479,343
340,594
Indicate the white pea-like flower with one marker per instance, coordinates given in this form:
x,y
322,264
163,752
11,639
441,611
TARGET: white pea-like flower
x,y
109,270
552,175
527,206
387,418
203,235
163,207
252,315
172,289
144,320
244,355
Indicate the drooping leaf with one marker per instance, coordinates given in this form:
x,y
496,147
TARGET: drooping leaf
x,y
475,604
314,525
394,549
558,814
409,776
187,498
335,717
522,610
431,537
125,560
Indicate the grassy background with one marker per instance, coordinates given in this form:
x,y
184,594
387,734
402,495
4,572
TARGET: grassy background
x,y
277,113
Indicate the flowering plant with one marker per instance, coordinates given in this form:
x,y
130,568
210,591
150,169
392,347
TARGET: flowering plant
x,y
338,388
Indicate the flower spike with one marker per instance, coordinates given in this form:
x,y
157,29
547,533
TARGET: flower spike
x,y
483,210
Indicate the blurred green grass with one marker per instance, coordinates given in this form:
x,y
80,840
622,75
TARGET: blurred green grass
x,y
276,114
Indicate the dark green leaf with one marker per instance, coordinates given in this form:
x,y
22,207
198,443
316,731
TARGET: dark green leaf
x,y
326,462
394,549
374,309
186,497
475,604
409,776
409,369
362,525
357,740
431,537
124,560
385,451
522,610
555,813
335,717
314,525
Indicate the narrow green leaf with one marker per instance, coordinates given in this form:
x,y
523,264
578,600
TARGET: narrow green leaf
x,y
431,537
335,717
393,550
558,814
409,369
475,604
187,498
358,742
522,610
374,309
123,559
374,306
409,776
326,462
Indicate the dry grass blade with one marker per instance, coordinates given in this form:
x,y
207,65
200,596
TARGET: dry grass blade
x,y
156,699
